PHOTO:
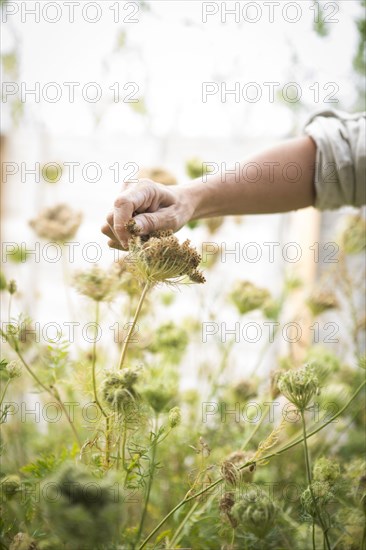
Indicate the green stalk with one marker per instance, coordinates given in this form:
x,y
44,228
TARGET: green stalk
x,y
149,484
95,393
133,324
249,438
248,463
53,392
4,392
308,474
180,527
94,361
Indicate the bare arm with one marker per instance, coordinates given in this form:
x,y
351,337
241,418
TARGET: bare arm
x,y
277,180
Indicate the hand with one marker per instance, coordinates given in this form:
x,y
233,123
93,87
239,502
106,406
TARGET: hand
x,y
152,205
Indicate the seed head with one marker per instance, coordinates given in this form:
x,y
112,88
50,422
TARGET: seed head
x,y
159,395
95,283
238,459
320,492
82,509
326,470
162,259
14,370
257,514
299,386
174,417
118,389
12,287
22,541
247,297
58,223
10,485
321,301
226,503
157,174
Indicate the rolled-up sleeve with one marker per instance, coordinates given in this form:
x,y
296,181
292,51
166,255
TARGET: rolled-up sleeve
x,y
340,171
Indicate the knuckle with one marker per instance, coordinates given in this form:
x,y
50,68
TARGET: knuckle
x,y
120,201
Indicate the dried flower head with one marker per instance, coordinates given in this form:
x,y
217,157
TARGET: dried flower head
x,y
58,223
327,470
174,417
95,283
12,287
247,297
321,301
353,238
159,175
162,259
226,503
170,340
299,386
230,472
83,510
3,282
321,493
14,369
245,389
23,541
159,395
256,513
118,389
10,485
239,458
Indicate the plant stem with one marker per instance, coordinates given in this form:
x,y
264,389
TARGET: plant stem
x,y
4,392
124,438
308,475
275,453
175,538
249,438
94,361
95,393
9,307
51,391
308,471
133,324
149,483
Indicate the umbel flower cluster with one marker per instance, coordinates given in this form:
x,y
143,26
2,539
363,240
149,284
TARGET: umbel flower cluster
x,y
118,389
299,386
82,508
256,514
95,283
248,297
58,223
321,301
161,258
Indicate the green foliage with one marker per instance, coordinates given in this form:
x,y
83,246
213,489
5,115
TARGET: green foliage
x,y
236,478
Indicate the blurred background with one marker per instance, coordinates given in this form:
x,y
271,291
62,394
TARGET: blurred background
x,y
138,71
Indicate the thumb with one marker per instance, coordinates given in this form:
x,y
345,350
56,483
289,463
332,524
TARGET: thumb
x,y
156,221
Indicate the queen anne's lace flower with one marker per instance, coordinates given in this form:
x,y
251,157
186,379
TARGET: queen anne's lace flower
x,y
95,283
161,258
299,386
58,223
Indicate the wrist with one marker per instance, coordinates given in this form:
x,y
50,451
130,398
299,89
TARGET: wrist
x,y
193,198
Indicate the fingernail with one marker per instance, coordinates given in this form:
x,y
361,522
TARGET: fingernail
x,y
139,225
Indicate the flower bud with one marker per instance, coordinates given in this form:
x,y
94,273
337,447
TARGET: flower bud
x,y
174,417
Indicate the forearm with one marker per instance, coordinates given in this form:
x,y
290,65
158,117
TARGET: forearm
x,y
277,180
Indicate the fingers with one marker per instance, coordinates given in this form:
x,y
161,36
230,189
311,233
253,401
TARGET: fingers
x,y
115,244
165,218
134,199
152,207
